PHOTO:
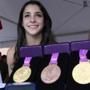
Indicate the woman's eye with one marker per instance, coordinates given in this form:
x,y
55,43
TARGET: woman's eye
x,y
26,15
39,15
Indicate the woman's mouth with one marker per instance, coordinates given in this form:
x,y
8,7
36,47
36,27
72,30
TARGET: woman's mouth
x,y
33,26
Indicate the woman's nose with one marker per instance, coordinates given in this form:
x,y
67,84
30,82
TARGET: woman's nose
x,y
32,19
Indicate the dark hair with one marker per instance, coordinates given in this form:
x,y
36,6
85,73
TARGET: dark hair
x,y
47,36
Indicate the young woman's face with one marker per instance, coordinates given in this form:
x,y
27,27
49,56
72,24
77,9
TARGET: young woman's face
x,y
33,19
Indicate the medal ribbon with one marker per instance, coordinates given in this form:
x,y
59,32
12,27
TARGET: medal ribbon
x,y
27,61
83,55
54,58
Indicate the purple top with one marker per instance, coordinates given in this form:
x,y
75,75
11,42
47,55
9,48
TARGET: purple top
x,y
80,45
53,48
32,51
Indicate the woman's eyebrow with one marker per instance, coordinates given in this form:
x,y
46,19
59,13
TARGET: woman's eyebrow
x,y
26,13
35,12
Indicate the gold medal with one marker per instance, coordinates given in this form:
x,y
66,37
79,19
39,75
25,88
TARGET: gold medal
x,y
51,73
81,73
22,74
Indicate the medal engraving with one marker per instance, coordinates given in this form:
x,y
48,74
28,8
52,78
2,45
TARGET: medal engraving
x,y
50,74
22,74
81,73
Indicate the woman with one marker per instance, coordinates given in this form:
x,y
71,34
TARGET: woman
x,y
34,28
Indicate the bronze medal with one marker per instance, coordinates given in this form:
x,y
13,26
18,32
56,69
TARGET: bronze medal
x,y
81,73
51,73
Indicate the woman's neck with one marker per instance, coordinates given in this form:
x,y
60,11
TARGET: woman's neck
x,y
33,40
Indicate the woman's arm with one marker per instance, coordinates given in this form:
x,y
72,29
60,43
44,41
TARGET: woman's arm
x,y
10,59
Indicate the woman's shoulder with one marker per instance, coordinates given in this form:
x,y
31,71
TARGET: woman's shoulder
x,y
11,50
10,53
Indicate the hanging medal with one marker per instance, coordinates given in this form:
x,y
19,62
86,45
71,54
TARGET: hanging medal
x,y
81,72
24,72
51,73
